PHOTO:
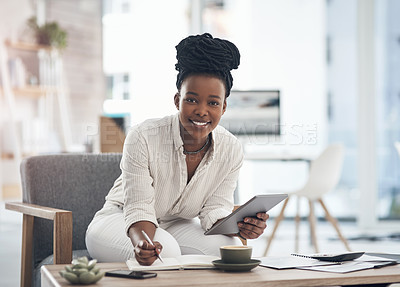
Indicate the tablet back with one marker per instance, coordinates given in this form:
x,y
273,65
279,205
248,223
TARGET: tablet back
x,y
259,203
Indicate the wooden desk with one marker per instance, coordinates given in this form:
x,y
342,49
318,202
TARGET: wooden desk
x,y
259,276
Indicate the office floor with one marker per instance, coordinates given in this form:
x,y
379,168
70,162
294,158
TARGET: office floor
x,y
10,243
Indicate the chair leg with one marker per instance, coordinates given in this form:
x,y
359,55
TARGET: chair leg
x,y
311,219
334,224
26,253
278,220
297,223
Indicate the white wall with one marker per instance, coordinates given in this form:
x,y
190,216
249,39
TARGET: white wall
x,y
282,44
144,42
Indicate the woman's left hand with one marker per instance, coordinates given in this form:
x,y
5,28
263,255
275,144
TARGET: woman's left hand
x,y
253,227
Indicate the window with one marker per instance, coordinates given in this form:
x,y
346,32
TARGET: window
x,y
116,6
118,86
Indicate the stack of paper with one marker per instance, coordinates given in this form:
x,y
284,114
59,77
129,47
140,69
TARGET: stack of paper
x,y
364,262
288,262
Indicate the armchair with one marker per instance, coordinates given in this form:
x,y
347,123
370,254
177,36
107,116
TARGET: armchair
x,y
61,194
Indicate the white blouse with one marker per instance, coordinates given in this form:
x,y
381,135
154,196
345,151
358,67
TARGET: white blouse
x,y
153,184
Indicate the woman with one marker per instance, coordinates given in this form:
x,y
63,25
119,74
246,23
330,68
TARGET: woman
x,y
178,169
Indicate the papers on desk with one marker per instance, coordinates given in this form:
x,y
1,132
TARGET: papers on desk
x,y
364,262
289,262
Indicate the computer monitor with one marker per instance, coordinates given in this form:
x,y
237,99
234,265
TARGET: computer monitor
x,y
253,113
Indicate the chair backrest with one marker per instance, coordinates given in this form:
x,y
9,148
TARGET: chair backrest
x,y
324,173
74,182
397,145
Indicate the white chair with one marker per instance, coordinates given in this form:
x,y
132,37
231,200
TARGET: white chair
x,y
397,145
324,175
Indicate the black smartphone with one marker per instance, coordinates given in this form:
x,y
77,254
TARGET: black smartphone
x,y
131,274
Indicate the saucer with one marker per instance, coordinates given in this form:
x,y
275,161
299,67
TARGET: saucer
x,y
236,267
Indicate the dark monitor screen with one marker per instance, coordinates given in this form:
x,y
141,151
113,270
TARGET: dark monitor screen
x,y
253,113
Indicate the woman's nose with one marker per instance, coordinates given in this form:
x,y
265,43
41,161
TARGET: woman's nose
x,y
201,110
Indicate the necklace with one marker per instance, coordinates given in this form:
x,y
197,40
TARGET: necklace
x,y
199,150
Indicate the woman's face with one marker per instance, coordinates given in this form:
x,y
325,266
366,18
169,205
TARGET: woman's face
x,y
201,103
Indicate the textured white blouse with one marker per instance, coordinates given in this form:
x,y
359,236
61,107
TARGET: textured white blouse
x,y
153,184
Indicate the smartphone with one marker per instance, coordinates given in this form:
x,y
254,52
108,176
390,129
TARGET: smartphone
x,y
131,274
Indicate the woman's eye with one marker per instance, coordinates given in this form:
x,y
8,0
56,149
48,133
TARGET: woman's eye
x,y
214,103
189,100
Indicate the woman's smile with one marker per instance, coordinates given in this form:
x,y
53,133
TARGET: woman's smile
x,y
200,124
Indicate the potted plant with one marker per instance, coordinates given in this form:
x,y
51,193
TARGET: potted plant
x,y
49,34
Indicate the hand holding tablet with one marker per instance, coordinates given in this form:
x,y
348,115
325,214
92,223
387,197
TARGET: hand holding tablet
x,y
254,226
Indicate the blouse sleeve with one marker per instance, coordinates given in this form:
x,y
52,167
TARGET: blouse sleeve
x,y
220,203
137,181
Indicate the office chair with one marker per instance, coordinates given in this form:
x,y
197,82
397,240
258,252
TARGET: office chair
x,y
323,176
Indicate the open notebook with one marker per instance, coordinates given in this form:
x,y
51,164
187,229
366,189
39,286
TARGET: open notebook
x,y
180,262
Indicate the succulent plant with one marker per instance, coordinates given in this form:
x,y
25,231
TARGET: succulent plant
x,y
82,271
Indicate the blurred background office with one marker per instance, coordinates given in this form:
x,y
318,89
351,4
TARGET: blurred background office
x,y
335,63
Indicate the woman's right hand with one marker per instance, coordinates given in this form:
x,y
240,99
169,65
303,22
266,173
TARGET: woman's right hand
x,y
146,253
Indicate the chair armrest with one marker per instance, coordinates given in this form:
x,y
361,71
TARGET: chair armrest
x,y
35,210
62,228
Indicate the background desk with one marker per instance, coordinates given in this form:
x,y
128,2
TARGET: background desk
x,y
278,155
251,184
259,276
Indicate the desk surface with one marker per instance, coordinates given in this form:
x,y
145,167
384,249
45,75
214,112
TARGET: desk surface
x,y
259,276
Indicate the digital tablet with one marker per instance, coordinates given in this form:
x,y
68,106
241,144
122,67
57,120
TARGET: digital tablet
x,y
259,203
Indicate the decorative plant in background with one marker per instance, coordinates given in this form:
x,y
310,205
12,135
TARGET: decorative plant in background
x,y
49,34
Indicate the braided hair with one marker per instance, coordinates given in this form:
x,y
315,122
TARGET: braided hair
x,y
203,54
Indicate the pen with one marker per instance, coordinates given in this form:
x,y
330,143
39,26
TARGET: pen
x,y
151,242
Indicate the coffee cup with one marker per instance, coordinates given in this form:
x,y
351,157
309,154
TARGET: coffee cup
x,y
236,254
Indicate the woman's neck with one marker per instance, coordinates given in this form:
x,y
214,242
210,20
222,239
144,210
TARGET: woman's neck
x,y
191,144
204,147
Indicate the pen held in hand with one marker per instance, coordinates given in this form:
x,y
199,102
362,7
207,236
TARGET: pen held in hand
x,y
151,242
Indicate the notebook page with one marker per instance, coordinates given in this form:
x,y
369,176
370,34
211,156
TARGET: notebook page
x,y
193,261
169,264
180,262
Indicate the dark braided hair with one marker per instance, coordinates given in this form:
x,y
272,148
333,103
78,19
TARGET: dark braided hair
x,y
203,54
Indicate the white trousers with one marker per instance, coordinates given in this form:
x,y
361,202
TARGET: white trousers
x,y
107,241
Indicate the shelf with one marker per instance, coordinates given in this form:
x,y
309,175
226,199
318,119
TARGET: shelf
x,y
34,92
6,155
30,91
11,192
27,46
10,156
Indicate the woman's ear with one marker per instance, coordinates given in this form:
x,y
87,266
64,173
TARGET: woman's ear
x,y
177,98
224,106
